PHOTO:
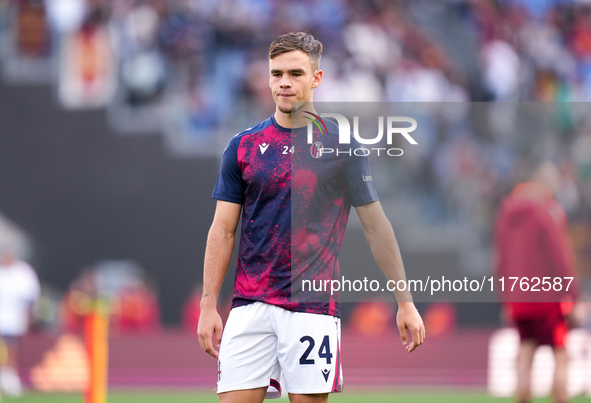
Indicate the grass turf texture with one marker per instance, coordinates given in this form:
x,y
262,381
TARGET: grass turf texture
x,y
347,397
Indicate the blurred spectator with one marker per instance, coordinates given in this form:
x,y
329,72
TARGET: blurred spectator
x,y
440,318
87,76
122,288
532,242
142,64
32,30
581,161
46,313
191,311
78,301
65,15
136,309
500,70
372,318
19,289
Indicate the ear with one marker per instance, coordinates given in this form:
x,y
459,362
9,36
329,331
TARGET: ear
x,y
318,75
270,61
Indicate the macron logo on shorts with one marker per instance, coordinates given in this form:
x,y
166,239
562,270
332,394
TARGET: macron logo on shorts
x,y
325,373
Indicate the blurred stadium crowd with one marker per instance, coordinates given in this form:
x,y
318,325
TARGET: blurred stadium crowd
x,y
183,67
213,53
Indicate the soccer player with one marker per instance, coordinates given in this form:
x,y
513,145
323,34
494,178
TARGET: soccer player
x,y
532,242
19,289
269,333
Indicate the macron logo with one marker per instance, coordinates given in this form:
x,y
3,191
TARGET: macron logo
x,y
263,147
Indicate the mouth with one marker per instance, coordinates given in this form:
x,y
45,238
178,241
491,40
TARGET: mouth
x,y
285,95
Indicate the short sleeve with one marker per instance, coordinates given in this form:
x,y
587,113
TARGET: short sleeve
x,y
359,181
230,185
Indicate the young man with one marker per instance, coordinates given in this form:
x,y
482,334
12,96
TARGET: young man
x,y
270,333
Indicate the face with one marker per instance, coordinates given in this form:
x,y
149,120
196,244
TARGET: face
x,y
292,80
6,258
549,175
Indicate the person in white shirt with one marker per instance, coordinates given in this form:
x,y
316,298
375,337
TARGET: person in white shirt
x,y
19,289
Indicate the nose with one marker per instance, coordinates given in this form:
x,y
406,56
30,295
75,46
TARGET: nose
x,y
285,82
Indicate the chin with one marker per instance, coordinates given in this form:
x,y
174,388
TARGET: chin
x,y
284,110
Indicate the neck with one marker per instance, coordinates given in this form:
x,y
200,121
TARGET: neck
x,y
296,119
533,190
283,119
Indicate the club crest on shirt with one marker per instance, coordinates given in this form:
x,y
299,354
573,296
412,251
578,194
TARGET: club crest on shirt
x,y
316,149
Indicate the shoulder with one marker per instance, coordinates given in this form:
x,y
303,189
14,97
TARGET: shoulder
x,y
333,133
26,270
22,273
331,127
253,130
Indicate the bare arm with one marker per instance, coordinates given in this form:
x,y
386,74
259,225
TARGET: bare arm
x,y
218,253
385,250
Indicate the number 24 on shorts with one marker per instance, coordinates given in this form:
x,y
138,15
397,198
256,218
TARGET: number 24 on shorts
x,y
323,352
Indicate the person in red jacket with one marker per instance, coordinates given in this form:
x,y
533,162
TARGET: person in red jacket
x,y
533,246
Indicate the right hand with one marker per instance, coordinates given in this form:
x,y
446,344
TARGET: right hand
x,y
408,318
210,327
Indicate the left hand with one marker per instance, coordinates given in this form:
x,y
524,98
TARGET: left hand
x,y
408,319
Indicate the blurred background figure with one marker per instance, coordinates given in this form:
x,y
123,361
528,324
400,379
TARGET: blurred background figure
x,y
123,288
372,318
46,313
136,309
77,301
532,241
192,309
440,317
19,289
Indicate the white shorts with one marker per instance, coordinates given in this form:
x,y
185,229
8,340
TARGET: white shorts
x,y
262,342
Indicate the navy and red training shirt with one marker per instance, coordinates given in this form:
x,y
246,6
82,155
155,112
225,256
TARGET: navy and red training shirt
x,y
294,212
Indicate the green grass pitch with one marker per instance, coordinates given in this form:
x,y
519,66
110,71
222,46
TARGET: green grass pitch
x,y
347,397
